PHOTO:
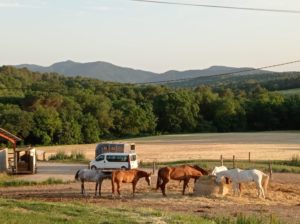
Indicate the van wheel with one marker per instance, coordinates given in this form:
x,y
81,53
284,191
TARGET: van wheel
x,y
94,168
123,168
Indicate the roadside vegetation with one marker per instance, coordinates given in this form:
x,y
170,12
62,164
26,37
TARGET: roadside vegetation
x,y
45,212
10,181
73,157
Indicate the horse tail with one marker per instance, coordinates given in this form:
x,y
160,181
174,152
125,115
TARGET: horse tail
x,y
159,179
266,182
77,175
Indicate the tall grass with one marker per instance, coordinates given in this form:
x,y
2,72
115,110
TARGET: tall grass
x,y
295,161
74,156
17,183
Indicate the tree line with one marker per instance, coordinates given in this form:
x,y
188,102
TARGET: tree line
x,y
49,108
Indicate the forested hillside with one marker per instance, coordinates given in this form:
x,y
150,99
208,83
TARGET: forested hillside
x,y
52,109
270,81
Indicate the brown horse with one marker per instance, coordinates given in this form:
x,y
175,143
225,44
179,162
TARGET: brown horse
x,y
203,171
128,176
184,172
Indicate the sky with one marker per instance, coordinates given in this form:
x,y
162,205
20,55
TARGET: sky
x,y
147,36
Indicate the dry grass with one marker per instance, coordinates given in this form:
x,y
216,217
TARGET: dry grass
x,y
282,198
262,145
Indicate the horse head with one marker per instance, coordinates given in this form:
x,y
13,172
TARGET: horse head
x,y
220,177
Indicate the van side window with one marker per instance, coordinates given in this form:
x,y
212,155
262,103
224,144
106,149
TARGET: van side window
x,y
117,158
100,158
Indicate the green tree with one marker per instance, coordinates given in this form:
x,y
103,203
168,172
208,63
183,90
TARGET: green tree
x,y
47,126
177,111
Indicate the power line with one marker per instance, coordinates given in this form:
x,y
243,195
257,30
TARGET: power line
x,y
220,6
223,74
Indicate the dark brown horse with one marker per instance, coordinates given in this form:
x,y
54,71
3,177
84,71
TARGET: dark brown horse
x,y
184,172
128,176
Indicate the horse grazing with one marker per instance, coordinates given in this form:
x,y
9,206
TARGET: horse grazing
x,y
185,173
238,176
128,176
203,171
86,175
218,169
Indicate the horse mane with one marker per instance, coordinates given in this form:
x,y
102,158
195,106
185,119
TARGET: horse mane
x,y
203,171
144,173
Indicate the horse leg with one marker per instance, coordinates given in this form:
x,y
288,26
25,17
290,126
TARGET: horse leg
x,y
133,188
96,188
163,187
118,188
260,190
82,187
185,184
100,186
240,189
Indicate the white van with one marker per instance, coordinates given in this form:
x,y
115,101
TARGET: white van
x,y
110,161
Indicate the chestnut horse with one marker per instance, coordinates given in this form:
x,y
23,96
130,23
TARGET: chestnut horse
x,y
128,176
203,171
184,172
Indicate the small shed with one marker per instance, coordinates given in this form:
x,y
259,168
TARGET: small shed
x,y
21,160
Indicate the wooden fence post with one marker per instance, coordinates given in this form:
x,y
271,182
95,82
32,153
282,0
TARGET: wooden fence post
x,y
154,167
249,157
233,161
44,156
221,159
270,170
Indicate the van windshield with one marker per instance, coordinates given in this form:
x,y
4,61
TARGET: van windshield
x,y
100,157
117,158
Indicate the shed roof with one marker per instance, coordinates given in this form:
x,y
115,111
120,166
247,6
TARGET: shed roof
x,y
9,136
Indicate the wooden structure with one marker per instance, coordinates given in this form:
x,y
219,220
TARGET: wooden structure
x,y
21,160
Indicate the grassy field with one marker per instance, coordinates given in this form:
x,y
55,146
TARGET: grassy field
x,y
16,211
290,92
262,145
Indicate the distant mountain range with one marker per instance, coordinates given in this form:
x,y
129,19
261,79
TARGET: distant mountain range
x,y
109,72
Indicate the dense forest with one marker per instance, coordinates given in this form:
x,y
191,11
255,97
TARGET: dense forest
x,y
48,108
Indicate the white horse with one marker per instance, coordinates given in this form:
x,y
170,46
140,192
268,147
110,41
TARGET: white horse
x,y
218,169
238,176
87,175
